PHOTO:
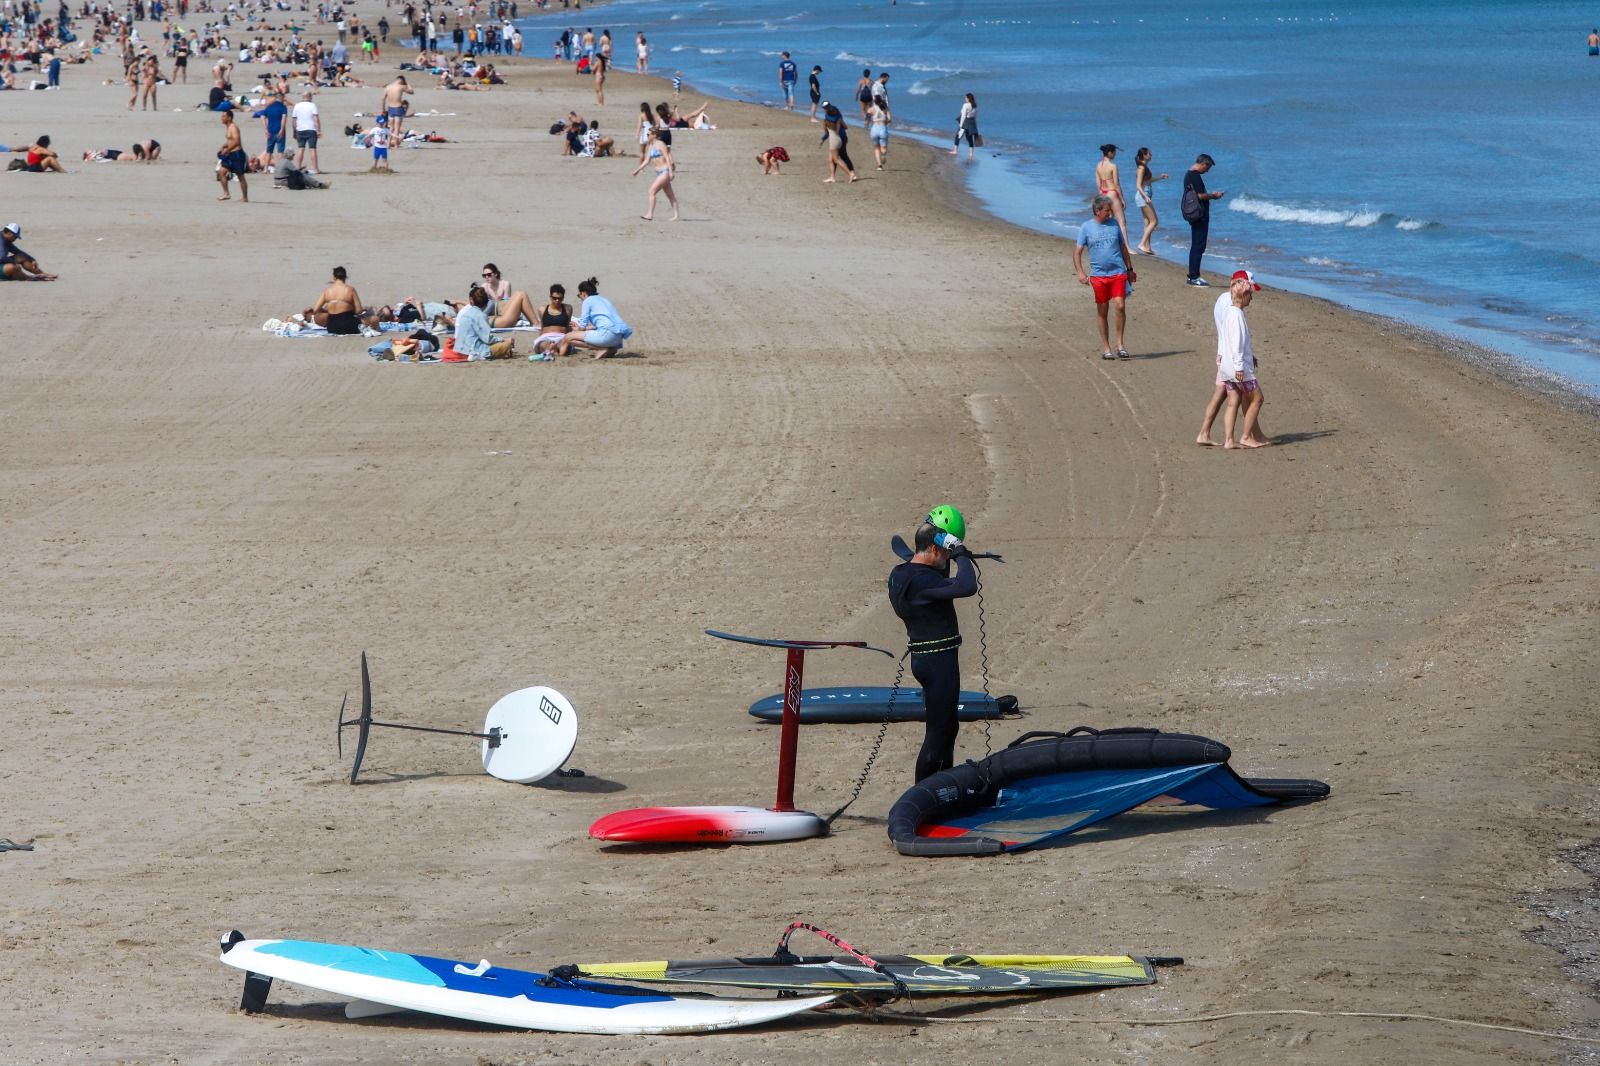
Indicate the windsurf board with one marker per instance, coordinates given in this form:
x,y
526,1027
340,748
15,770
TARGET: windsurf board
x,y
494,995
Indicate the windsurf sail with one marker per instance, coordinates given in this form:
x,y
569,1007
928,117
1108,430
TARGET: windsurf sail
x,y
1047,785
855,971
932,974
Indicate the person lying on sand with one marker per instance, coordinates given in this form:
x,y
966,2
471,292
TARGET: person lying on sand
x,y
142,152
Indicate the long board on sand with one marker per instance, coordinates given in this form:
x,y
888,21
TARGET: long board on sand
x,y
870,703
489,994
941,974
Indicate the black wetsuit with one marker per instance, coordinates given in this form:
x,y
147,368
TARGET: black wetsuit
x,y
924,598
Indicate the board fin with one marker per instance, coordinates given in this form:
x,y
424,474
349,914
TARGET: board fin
x,y
256,985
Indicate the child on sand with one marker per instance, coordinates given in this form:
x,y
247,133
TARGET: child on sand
x,y
771,158
378,137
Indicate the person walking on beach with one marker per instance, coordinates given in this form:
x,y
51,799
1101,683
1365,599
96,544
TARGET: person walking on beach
x,y
833,132
1197,212
231,159
662,183
1236,364
967,127
598,65
1109,181
1142,180
815,85
1108,274
878,130
864,92
788,74
307,128
642,65
273,117
923,596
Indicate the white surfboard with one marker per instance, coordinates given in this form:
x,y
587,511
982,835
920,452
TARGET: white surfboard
x,y
495,996
538,730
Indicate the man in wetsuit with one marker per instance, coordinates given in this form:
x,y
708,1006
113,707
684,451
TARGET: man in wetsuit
x,y
923,594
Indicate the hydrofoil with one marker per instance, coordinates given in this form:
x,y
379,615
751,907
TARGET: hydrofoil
x,y
739,825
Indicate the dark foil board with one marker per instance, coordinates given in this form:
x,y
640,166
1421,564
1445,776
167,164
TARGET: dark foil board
x,y
868,703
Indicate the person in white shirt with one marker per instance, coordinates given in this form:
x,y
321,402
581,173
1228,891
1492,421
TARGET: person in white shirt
x,y
307,128
1236,364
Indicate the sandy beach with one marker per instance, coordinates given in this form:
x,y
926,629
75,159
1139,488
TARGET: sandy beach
x,y
206,525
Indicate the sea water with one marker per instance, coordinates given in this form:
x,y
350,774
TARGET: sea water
x,y
1432,160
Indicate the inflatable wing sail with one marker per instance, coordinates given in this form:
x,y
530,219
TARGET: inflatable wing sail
x,y
1046,785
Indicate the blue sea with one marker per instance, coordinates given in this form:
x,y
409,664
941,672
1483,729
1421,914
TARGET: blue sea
x,y
1432,160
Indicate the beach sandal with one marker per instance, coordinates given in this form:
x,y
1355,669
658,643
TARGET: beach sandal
x,y
1122,353
1107,355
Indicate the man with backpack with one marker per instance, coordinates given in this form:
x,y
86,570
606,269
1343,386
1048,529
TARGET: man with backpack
x,y
1196,209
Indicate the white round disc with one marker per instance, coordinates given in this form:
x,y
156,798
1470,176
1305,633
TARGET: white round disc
x,y
538,730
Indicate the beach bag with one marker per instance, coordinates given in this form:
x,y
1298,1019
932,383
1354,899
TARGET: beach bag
x,y
1190,207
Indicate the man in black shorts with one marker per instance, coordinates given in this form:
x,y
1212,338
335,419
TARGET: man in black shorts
x,y
816,91
923,595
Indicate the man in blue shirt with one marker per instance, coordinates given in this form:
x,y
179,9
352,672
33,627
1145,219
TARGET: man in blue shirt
x,y
1108,275
598,326
272,117
788,74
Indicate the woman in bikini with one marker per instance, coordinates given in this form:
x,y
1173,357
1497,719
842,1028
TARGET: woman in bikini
x,y
555,321
1105,175
339,307
498,288
1142,180
661,155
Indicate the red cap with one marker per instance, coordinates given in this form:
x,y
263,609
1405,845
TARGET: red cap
x,y
1245,275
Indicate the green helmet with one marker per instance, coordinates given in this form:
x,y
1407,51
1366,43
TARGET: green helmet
x,y
948,519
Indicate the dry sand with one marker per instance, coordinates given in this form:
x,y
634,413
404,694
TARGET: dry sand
x,y
205,525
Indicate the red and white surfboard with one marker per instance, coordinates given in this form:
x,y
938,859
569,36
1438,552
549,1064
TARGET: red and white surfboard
x,y
707,825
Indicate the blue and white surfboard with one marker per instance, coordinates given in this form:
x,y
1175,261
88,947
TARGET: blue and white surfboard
x,y
493,995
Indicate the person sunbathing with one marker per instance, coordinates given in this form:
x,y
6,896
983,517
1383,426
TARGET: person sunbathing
x,y
142,152
339,307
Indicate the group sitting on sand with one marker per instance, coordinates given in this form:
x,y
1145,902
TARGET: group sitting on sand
x,y
491,304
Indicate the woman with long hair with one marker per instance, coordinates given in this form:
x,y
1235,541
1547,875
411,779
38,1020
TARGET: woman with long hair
x,y
662,183
1142,180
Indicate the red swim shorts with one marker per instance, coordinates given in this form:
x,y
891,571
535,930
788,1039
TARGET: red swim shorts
x,y
1105,289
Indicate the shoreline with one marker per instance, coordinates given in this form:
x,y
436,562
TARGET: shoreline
x,y
1549,344
208,525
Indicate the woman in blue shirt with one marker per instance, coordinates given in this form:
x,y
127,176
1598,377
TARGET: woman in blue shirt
x,y
598,326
